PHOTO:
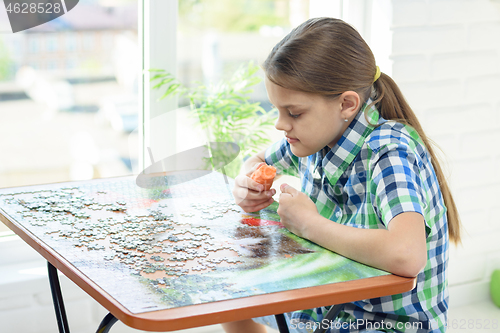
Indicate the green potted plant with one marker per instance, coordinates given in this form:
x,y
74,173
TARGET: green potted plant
x,y
225,110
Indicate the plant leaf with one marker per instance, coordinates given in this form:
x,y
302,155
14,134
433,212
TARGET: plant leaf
x,y
163,82
170,90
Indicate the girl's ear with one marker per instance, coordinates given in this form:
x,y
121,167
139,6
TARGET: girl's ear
x,y
350,104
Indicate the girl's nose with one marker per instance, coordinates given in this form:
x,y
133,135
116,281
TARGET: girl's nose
x,y
282,125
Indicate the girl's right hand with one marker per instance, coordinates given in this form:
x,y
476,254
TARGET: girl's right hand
x,y
249,194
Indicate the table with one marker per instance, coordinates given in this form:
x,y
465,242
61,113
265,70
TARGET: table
x,y
178,253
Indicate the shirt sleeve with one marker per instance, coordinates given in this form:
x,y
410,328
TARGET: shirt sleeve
x,y
396,184
281,157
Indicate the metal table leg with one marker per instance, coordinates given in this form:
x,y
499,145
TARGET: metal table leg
x,y
55,287
282,325
329,317
62,320
106,323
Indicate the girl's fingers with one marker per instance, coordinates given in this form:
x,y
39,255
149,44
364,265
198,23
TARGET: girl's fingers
x,y
250,195
254,208
246,194
247,182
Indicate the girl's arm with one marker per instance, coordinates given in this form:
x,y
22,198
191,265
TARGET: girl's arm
x,y
400,249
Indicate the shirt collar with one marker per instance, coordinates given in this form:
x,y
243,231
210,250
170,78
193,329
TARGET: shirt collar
x,y
338,158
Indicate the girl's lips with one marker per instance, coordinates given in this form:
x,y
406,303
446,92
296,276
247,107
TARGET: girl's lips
x,y
291,140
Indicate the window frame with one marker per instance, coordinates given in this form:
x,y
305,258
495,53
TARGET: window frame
x,y
157,44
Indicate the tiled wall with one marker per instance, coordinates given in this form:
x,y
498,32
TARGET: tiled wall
x,y
447,62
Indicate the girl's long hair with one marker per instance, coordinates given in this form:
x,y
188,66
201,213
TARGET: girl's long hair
x,y
327,56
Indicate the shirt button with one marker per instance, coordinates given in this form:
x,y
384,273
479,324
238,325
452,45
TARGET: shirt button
x,y
338,214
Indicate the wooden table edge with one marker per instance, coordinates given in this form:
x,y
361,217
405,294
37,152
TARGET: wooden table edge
x,y
220,311
252,306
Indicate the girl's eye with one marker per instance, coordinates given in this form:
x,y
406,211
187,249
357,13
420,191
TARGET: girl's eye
x,y
294,115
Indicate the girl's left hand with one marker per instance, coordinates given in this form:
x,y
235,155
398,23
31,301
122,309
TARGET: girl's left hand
x,y
296,210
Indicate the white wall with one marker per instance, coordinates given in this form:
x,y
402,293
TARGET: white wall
x,y
26,302
446,60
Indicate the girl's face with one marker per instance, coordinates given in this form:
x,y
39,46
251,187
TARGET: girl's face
x,y
310,121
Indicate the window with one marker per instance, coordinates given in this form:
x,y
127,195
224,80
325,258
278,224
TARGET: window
x,y
34,64
51,42
52,64
70,39
216,37
71,63
52,98
211,40
34,43
88,41
107,40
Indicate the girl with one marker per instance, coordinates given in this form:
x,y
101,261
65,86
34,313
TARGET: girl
x,y
372,189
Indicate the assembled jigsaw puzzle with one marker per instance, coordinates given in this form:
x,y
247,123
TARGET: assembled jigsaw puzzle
x,y
176,245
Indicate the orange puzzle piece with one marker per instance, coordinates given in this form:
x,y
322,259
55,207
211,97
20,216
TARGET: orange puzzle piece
x,y
264,175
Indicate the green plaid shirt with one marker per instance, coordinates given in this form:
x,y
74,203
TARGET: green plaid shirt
x,y
371,175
